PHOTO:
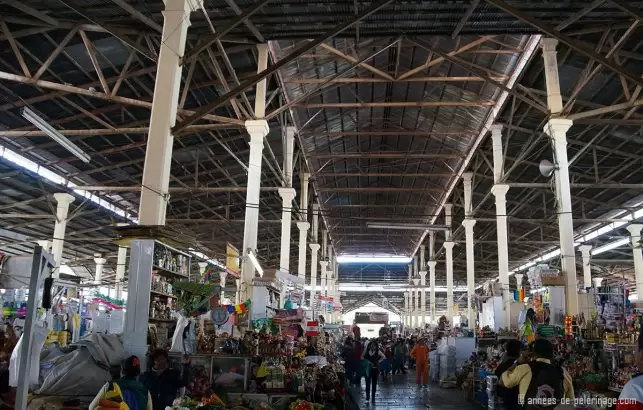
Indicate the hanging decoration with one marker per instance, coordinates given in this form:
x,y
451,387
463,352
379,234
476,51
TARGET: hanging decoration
x,y
193,299
239,309
112,303
569,331
210,275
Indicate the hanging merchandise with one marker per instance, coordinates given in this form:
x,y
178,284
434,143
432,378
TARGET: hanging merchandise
x,y
210,275
569,333
112,303
239,309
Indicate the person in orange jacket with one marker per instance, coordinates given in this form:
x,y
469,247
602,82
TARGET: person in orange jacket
x,y
420,354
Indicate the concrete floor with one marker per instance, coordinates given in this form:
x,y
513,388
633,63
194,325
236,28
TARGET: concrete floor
x,y
400,392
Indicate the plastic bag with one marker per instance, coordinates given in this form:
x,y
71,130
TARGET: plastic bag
x,y
177,338
38,337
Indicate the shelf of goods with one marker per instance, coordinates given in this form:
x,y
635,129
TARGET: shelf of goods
x,y
622,361
169,266
229,372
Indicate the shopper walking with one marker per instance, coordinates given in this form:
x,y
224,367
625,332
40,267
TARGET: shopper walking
x,y
538,376
374,356
420,354
399,356
509,396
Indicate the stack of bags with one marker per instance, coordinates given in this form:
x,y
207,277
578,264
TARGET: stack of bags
x,y
447,363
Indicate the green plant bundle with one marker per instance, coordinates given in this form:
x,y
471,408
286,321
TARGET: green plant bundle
x,y
192,298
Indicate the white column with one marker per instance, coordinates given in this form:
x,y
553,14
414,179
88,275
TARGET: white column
x,y
303,201
257,129
287,195
158,155
289,150
62,210
100,264
411,306
552,82
635,233
432,287
468,224
500,192
314,248
423,285
471,284
121,260
323,269
557,128
587,268
498,156
448,246
423,298
416,282
303,235
406,309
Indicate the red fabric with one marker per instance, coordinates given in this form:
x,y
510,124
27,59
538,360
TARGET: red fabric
x,y
628,405
422,372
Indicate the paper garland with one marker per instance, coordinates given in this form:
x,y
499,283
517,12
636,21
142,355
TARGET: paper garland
x,y
238,309
112,303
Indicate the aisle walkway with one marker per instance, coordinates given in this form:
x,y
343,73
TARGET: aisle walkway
x,y
401,393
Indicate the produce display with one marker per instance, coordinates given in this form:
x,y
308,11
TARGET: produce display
x,y
305,405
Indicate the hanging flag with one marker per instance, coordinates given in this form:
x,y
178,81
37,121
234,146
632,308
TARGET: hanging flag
x,y
312,328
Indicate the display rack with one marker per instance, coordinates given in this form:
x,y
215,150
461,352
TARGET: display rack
x,y
221,367
622,357
169,265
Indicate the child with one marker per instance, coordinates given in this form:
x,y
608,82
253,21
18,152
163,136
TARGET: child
x,y
126,392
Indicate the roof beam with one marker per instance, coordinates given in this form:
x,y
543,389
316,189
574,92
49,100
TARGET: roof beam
x,y
439,60
351,80
212,38
390,133
31,11
480,72
465,18
102,96
357,62
628,9
381,174
222,100
138,15
483,103
573,44
383,155
606,110
379,189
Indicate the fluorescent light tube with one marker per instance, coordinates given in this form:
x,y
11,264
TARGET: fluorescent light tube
x,y
414,227
609,246
42,125
255,261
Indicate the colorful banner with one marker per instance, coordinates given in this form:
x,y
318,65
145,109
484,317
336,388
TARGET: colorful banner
x,y
232,261
312,328
238,309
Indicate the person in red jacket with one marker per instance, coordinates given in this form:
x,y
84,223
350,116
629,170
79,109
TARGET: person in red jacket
x,y
420,354
631,397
